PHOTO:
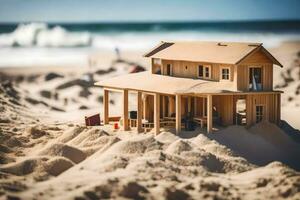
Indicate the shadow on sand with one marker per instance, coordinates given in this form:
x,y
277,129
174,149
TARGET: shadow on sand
x,y
259,144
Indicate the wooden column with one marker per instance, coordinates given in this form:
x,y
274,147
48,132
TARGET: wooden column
x,y
144,106
163,106
106,106
139,112
195,106
189,104
178,114
156,113
125,110
209,114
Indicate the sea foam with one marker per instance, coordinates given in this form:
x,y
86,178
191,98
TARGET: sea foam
x,y
39,34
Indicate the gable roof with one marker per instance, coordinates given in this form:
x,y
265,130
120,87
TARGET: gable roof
x,y
210,52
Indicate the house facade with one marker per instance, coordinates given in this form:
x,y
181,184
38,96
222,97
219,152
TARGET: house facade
x,y
212,84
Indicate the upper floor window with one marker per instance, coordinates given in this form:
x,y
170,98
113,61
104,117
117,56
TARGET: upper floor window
x,y
225,73
255,78
157,61
203,71
169,70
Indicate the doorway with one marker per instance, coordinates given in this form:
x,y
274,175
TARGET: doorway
x,y
241,112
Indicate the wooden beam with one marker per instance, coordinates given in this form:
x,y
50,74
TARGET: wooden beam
x,y
106,106
125,110
178,114
139,112
156,114
209,114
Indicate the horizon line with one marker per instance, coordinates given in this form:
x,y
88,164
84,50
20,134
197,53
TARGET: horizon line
x,y
152,21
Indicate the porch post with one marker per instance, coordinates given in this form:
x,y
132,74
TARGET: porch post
x,y
163,106
125,110
144,106
178,113
189,104
156,113
209,113
139,112
105,106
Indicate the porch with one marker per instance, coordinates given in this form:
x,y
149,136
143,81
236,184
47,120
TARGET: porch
x,y
154,111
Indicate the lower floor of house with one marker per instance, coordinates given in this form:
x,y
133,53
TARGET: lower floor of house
x,y
181,111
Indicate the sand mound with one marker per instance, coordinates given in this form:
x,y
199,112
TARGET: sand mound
x,y
36,132
88,138
275,135
39,166
134,146
179,146
57,165
166,137
198,158
212,146
23,167
64,150
70,134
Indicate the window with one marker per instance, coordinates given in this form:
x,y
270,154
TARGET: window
x,y
225,74
169,69
259,113
255,78
207,74
203,71
200,71
157,61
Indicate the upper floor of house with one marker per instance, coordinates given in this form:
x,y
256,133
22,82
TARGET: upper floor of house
x,y
249,66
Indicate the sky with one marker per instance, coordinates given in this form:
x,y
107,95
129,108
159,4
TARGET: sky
x,y
139,10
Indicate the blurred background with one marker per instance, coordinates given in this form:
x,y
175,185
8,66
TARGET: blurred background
x,y
54,51
65,32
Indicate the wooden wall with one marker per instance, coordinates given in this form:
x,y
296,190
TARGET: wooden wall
x,y
243,76
225,107
271,103
258,59
188,69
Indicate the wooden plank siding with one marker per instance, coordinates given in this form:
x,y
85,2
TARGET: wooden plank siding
x,y
188,69
224,105
257,59
271,106
243,76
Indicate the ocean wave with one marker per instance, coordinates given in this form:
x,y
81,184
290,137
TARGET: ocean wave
x,y
40,35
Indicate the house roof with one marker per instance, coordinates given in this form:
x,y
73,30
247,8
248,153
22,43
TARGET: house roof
x,y
148,82
210,52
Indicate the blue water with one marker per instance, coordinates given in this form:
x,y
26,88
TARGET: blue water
x,y
292,26
60,43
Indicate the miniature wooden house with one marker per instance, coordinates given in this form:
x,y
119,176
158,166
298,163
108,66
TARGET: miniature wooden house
x,y
214,84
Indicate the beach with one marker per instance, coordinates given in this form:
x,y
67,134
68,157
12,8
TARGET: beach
x,y
47,152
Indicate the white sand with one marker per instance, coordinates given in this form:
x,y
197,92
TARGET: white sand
x,y
49,154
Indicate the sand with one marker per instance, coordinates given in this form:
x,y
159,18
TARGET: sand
x,y
46,152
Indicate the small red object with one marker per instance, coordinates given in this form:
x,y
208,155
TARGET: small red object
x,y
93,120
116,126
